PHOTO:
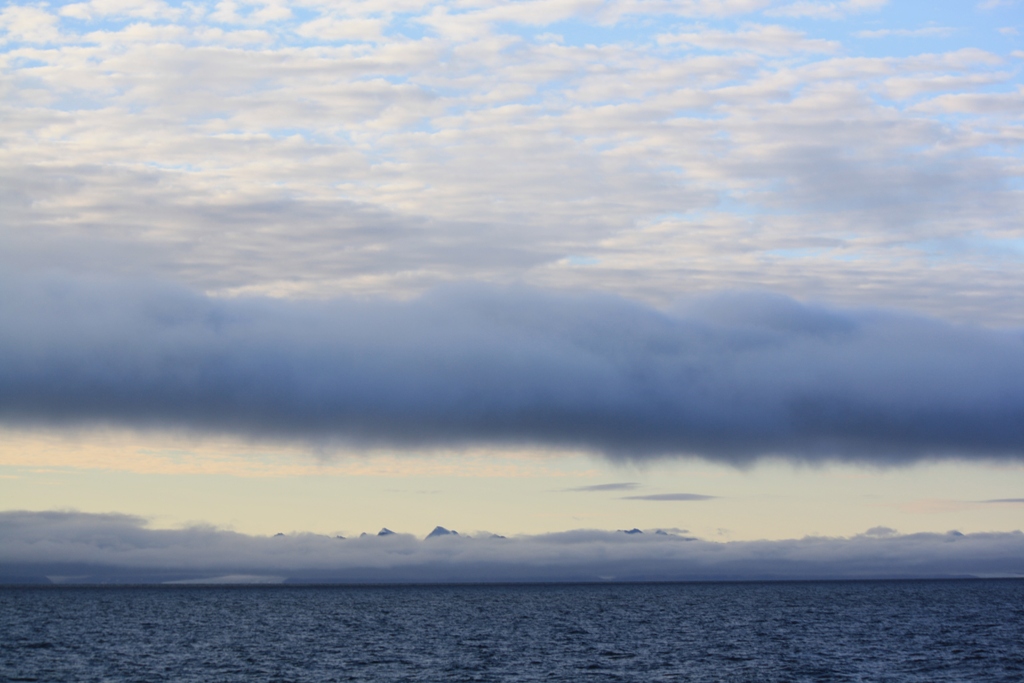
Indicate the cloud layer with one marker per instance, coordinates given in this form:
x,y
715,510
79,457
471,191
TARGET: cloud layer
x,y
386,146
730,378
76,547
672,497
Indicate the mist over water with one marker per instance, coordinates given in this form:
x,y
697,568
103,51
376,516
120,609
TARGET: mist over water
x,y
810,631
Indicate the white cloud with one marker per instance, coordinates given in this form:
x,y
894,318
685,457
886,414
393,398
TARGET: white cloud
x,y
28,24
762,39
249,12
905,87
242,153
98,9
78,10
333,28
926,32
995,104
119,548
818,9
996,4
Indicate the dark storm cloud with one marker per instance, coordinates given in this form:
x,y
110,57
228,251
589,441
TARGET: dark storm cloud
x,y
622,486
671,496
77,547
731,378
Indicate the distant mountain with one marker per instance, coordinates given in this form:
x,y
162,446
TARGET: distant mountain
x,y
385,532
631,531
441,531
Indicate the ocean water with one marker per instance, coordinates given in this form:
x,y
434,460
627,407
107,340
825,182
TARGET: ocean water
x,y
818,631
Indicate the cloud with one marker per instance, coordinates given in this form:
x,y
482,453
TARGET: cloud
x,y
671,496
77,547
730,378
1004,500
995,4
927,32
29,25
817,9
227,579
977,103
624,486
902,88
353,149
770,40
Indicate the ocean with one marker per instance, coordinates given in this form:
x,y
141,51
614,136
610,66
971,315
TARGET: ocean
x,y
934,631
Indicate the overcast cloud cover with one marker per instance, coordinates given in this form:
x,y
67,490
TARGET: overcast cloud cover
x,y
864,151
730,229
729,378
69,547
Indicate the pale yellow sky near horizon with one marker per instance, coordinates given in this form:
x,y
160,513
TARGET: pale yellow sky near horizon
x,y
175,480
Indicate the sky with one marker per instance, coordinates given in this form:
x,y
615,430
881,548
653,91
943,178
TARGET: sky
x,y
745,272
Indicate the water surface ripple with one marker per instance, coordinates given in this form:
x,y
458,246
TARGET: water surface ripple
x,y
830,631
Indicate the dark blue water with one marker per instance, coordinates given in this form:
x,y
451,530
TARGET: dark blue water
x,y
843,631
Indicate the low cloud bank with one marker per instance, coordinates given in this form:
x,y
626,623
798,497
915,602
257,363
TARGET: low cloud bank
x,y
604,488
70,547
671,496
731,378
